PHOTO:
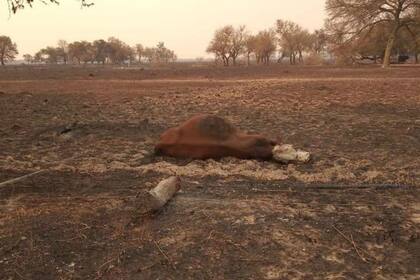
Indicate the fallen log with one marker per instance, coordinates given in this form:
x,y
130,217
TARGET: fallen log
x,y
156,198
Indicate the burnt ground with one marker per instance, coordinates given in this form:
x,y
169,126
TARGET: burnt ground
x,y
352,213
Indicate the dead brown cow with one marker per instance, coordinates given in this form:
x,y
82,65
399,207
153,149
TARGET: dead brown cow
x,y
208,136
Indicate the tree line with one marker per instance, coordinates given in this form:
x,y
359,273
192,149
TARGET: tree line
x,y
111,51
354,30
289,38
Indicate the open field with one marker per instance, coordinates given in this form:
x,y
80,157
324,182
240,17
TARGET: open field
x,y
352,213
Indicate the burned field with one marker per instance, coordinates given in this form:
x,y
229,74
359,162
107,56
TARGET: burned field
x,y
352,213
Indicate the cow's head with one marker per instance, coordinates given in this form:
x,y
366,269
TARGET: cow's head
x,y
287,153
256,146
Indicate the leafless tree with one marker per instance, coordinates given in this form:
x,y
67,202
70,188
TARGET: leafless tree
x,y
15,5
348,19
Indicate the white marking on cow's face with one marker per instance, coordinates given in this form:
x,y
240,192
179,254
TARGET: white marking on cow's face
x,y
287,153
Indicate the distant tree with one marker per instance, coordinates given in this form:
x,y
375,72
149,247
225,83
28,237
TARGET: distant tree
x,y
319,41
28,58
63,50
163,54
149,54
286,31
51,55
8,50
304,41
348,19
38,57
293,40
228,43
250,47
101,50
112,51
239,36
81,51
118,51
15,5
139,51
221,44
159,54
265,46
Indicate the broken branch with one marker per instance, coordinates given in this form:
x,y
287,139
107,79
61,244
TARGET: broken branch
x,y
15,180
351,241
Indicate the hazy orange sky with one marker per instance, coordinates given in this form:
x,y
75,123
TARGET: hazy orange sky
x,y
185,26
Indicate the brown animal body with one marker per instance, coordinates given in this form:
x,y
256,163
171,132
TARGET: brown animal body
x,y
208,136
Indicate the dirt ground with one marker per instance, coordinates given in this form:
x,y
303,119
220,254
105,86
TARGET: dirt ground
x,y
352,213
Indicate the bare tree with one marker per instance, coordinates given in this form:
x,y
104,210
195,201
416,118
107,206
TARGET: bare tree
x,y
15,5
349,18
8,50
